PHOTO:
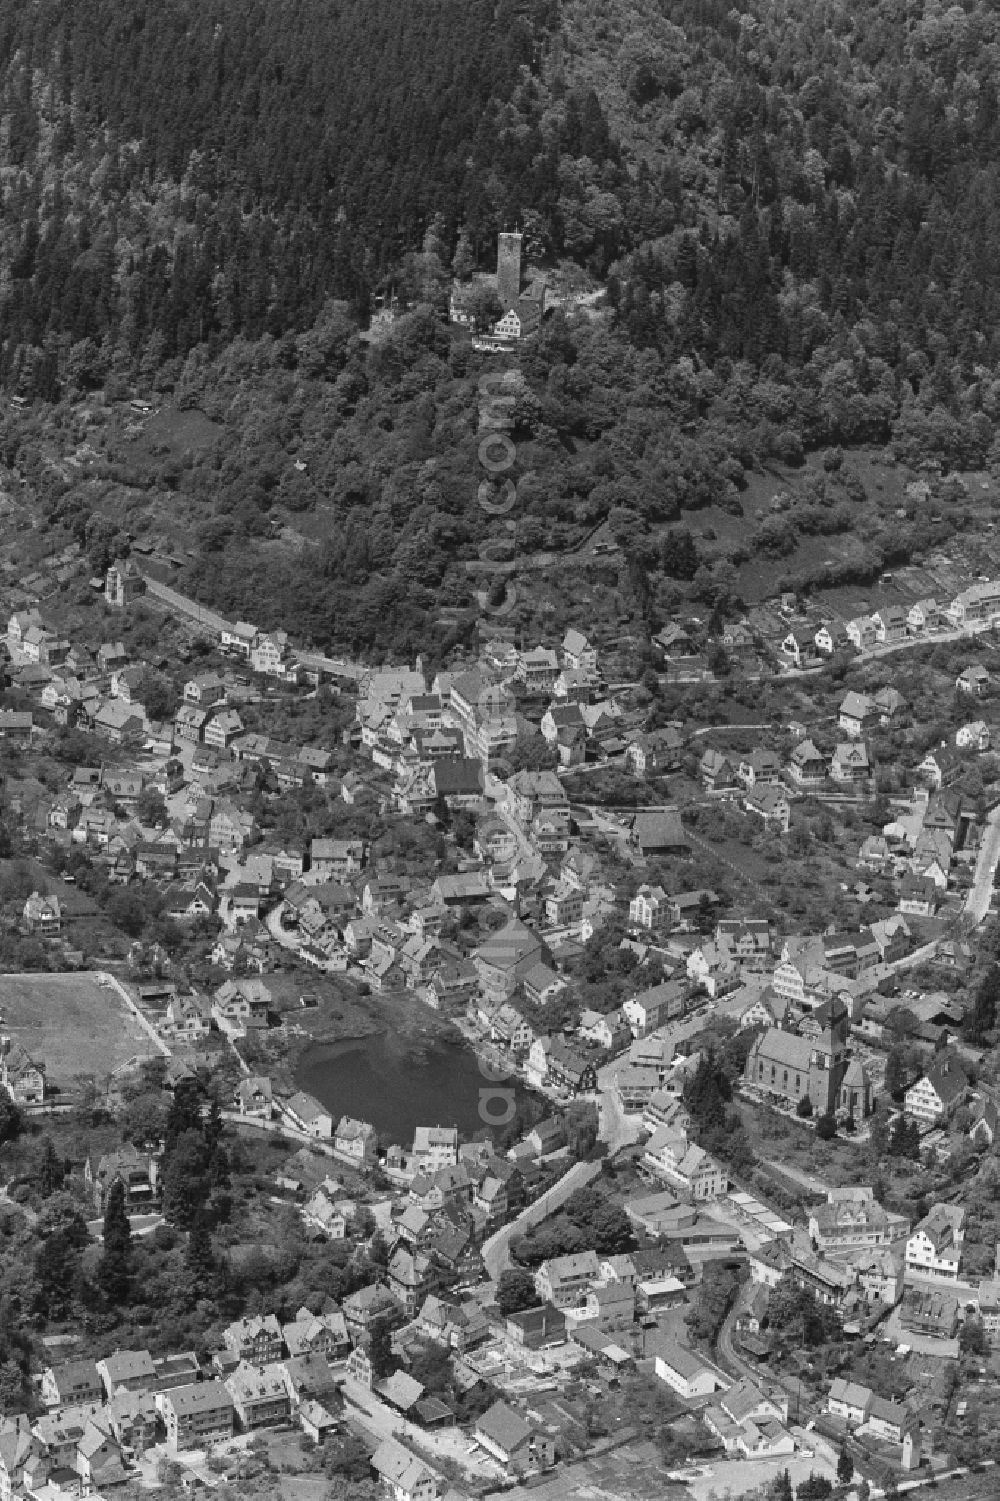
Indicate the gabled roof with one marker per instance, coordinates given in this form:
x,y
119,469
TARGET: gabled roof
x,y
506,1427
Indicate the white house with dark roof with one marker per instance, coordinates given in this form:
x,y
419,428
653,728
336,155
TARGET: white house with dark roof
x,y
934,1250
683,1371
858,712
937,1092
520,1446
306,1114
564,1280
401,1474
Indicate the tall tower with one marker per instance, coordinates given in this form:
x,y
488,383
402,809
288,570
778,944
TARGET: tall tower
x,y
509,268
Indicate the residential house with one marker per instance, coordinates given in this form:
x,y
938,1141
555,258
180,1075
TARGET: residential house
x,y
21,1076
241,1006
934,1250
918,896
138,1173
255,1340
71,1384
652,1008
831,637
356,1141
260,1395
317,1334
923,616
850,1219
974,736
861,632
857,714
127,1371
716,771
132,1418
578,653
890,703
683,1371
541,984
519,1446
190,722
937,1093
770,805
434,1147
239,638
197,1415
42,915
365,1307
974,681
411,1276
849,1400
307,1115
120,723
16,725
890,623
569,1070
222,729
760,768
401,1474
334,859
799,646
890,1421
255,1098
563,1281
650,909
807,765
671,1155
979,603
655,753
850,763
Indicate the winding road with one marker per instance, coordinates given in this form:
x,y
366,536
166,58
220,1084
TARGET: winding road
x,y
496,1250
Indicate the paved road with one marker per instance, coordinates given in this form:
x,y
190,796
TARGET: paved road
x,y
807,1180
181,604
616,1128
496,1250
450,1444
725,1351
977,903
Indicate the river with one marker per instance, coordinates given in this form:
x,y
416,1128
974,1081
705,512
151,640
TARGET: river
x,y
398,1084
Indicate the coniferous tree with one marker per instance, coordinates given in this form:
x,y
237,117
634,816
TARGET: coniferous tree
x,y
199,1259
113,1268
51,1169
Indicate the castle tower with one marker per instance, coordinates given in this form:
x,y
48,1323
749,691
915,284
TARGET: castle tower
x,y
509,268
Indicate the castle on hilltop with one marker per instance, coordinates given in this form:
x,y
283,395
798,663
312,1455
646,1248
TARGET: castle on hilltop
x,y
521,308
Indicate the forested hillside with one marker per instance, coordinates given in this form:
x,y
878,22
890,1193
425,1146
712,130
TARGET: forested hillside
x,y
191,171
792,207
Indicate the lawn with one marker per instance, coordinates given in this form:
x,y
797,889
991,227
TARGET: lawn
x,y
71,1024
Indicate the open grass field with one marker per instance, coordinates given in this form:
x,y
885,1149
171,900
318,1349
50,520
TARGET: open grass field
x,y
71,1024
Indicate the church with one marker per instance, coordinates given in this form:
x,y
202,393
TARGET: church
x,y
813,1062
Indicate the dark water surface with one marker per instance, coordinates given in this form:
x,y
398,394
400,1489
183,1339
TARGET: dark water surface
x,y
398,1084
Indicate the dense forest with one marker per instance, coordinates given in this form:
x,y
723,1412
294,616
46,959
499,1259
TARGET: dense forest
x,y
792,208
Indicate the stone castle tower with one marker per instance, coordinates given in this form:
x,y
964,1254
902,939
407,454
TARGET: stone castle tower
x,y
509,268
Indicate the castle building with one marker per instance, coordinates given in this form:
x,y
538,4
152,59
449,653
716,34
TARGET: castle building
x,y
509,269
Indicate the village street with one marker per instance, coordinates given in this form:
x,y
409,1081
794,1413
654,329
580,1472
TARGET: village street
x,y
977,903
496,1250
